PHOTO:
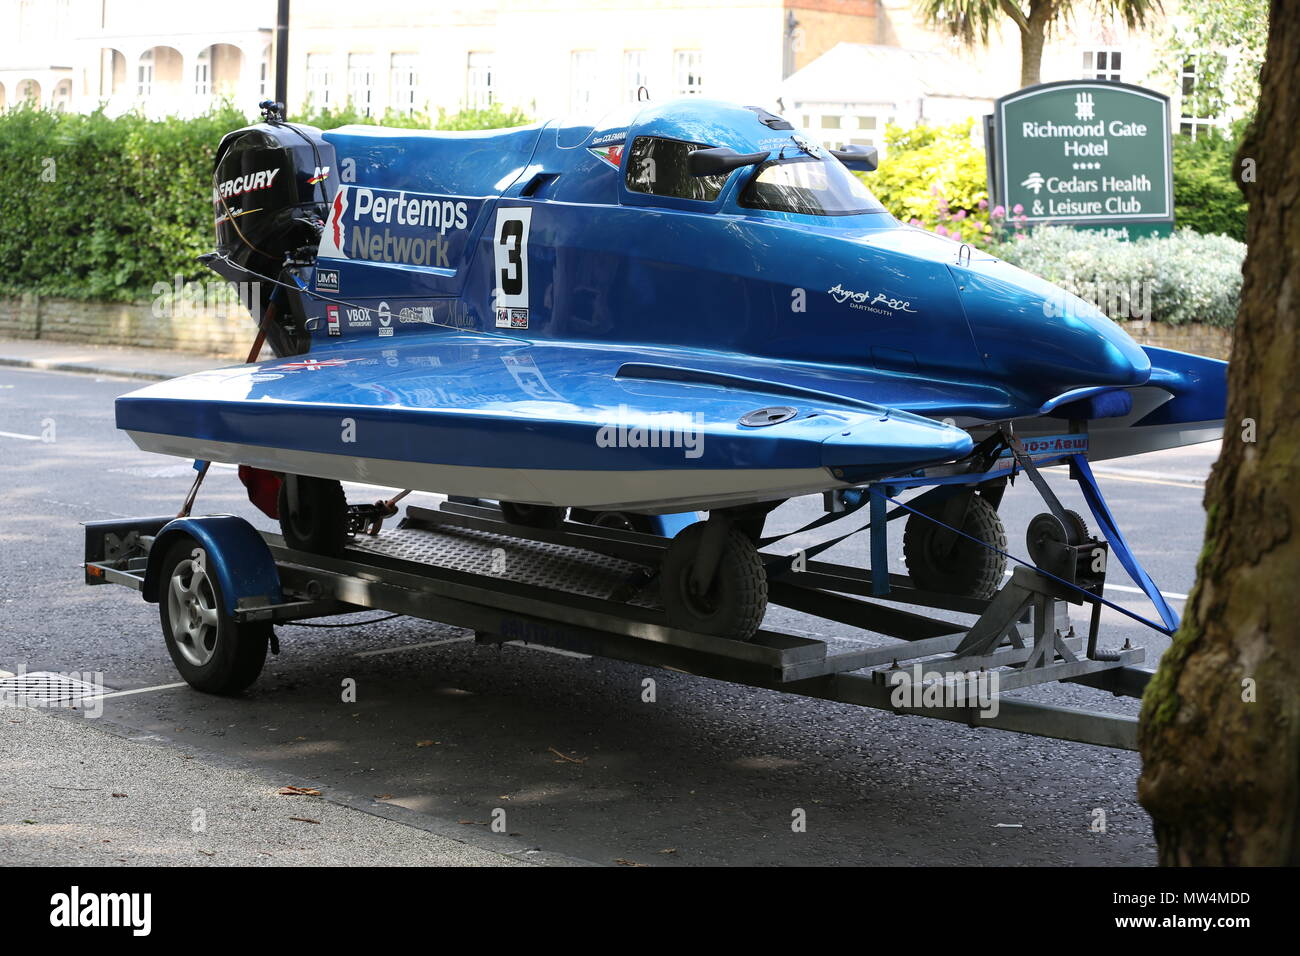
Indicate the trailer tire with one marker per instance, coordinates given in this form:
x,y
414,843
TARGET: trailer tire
x,y
735,604
968,569
213,652
315,519
532,516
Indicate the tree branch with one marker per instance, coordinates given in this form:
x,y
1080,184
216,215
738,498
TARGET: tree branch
x,y
1012,9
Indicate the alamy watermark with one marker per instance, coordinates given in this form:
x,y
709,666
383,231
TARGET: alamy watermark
x,y
918,688
215,297
1117,300
654,430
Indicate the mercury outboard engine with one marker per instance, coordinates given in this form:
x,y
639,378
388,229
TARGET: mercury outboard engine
x,y
271,189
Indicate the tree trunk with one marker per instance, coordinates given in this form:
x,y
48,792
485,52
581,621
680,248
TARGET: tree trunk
x,y
1220,728
1033,34
1031,54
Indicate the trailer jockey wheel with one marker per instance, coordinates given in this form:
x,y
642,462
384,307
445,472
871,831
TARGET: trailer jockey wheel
x,y
733,603
313,514
938,560
532,516
213,653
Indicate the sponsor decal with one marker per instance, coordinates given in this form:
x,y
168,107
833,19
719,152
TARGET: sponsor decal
x,y
235,214
869,301
523,369
385,320
386,225
412,316
327,280
332,320
322,173
247,183
610,154
1051,445
359,318
309,365
512,318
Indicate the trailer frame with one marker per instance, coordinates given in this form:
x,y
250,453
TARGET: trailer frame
x,y
429,567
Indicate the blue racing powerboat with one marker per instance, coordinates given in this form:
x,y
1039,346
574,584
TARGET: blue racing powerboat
x,y
681,307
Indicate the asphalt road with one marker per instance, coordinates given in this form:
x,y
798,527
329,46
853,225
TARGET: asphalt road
x,y
445,734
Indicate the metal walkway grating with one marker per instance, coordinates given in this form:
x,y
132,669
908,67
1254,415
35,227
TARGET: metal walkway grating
x,y
541,564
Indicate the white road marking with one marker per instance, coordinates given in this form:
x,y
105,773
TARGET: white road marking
x,y
138,690
23,437
413,647
1146,479
550,650
1170,595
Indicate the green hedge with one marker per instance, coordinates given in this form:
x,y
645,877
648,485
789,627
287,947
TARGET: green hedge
x,y
1206,195
1186,277
100,208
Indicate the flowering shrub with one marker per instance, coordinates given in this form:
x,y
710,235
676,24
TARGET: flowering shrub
x,y
1186,277
934,177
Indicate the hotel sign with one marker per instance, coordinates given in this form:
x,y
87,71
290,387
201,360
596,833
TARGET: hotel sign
x,y
1084,153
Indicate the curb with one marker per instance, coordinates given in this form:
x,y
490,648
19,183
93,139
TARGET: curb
x,y
50,365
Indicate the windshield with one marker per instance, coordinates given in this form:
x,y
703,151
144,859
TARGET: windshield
x,y
811,187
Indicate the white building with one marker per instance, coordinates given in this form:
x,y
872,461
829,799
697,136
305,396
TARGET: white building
x,y
842,68
844,97
163,57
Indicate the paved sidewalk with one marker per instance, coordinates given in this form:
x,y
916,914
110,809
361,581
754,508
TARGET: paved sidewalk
x,y
153,364
74,795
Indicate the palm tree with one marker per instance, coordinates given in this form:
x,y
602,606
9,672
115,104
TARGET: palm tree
x,y
970,20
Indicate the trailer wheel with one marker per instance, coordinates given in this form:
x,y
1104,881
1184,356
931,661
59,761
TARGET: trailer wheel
x,y
734,604
532,516
967,568
212,652
313,514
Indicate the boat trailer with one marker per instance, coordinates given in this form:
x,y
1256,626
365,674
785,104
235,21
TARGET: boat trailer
x,y
586,589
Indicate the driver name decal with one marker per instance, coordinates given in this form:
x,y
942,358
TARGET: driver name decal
x,y
868,301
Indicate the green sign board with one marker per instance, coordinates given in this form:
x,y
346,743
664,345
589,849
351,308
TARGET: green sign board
x,y
1084,153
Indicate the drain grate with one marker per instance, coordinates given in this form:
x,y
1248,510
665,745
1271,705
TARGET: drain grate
x,y
43,688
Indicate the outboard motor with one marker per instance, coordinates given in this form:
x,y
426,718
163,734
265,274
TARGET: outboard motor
x,y
271,189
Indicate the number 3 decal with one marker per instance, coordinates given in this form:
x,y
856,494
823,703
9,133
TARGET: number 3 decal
x,y
510,251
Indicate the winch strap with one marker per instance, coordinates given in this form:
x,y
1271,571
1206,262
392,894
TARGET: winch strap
x,y
1119,544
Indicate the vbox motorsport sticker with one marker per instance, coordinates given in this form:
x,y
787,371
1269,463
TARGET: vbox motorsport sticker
x,y
387,225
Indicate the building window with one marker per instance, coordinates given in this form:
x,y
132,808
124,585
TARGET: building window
x,y
1190,123
1103,65
320,81
144,75
405,82
636,74
264,74
830,122
689,73
203,73
478,81
582,79
361,82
